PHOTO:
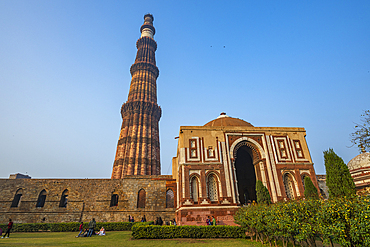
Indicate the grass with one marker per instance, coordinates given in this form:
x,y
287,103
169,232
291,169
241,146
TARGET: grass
x,y
111,239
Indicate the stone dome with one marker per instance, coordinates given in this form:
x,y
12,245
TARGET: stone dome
x,y
225,120
360,161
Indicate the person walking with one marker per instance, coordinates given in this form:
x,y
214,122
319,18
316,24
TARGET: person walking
x,y
92,225
213,221
208,221
10,226
81,229
160,221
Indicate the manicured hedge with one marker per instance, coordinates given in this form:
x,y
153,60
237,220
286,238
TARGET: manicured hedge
x,y
71,227
341,220
161,232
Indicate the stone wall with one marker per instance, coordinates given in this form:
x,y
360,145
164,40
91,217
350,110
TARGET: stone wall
x,y
87,198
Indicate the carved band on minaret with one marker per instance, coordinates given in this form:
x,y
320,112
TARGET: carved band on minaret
x,y
138,145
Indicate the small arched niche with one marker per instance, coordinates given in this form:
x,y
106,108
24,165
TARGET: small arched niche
x,y
114,199
170,199
141,198
64,199
212,187
17,198
288,185
41,199
194,187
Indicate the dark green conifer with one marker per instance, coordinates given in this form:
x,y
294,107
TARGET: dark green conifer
x,y
338,178
310,191
263,195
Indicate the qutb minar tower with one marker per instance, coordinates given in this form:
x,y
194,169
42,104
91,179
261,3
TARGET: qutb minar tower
x,y
138,144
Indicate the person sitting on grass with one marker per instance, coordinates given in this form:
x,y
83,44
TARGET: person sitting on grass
x,y
84,234
101,232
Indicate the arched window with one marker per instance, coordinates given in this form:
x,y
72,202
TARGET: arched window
x,y
17,198
288,184
64,199
212,188
194,188
41,200
141,196
114,200
170,202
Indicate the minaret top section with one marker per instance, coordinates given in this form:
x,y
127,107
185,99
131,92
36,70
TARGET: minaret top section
x,y
147,29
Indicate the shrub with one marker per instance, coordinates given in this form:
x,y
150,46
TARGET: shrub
x,y
342,220
338,178
346,221
263,194
166,232
310,190
71,226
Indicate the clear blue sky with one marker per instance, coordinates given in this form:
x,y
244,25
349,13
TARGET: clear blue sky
x,y
64,74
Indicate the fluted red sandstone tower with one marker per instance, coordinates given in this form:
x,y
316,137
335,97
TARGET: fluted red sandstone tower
x,y
138,144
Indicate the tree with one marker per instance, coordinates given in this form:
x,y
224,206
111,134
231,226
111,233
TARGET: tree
x,y
361,136
338,178
263,195
310,191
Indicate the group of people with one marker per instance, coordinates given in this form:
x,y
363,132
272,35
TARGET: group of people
x,y
211,222
159,222
88,232
10,226
131,218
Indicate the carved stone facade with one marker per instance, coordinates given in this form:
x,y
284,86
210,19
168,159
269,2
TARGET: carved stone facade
x,y
72,200
217,166
138,145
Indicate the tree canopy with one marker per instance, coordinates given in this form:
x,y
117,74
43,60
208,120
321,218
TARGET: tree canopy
x,y
263,195
361,136
338,178
310,191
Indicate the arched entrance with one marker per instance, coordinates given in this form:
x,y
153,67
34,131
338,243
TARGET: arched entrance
x,y
245,174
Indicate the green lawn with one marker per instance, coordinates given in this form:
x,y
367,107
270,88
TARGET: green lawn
x,y
111,239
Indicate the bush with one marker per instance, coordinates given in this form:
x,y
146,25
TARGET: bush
x,y
263,194
346,221
166,232
310,191
338,177
342,220
71,226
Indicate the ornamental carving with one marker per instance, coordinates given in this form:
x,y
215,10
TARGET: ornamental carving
x,y
141,107
144,66
256,155
146,40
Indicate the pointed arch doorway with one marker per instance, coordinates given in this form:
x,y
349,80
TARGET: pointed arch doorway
x,y
245,174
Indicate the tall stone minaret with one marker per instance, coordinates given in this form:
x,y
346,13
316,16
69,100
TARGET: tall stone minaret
x,y
138,144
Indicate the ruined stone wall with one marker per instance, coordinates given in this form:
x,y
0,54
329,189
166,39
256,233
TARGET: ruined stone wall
x,y
87,198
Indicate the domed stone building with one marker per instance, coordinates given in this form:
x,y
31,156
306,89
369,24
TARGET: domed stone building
x,y
214,172
359,167
217,166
